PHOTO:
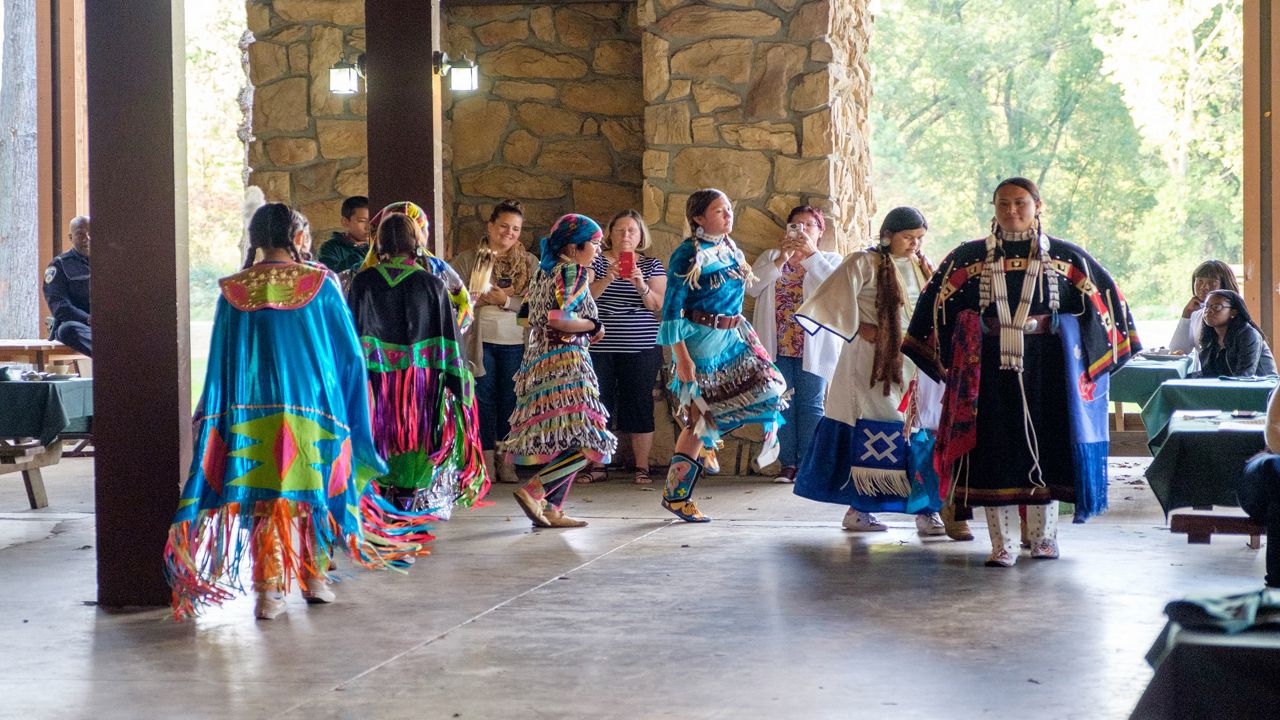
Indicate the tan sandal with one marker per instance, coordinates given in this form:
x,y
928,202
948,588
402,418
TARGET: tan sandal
x,y
642,477
594,474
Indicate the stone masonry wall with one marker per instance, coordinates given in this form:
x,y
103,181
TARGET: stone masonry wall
x,y
764,100
308,146
557,121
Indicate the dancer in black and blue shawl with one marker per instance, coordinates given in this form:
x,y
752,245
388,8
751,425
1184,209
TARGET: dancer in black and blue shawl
x,y
1045,325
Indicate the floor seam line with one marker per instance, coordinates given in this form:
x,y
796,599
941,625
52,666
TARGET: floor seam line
x,y
480,615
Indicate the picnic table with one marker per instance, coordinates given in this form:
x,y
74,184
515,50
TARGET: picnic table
x,y
1137,380
33,416
39,353
1204,394
1198,461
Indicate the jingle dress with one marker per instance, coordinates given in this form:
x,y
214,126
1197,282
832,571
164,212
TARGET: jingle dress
x,y
735,382
863,465
558,406
282,441
1030,437
425,421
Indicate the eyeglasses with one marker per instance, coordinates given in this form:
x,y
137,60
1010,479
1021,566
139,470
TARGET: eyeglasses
x,y
1215,307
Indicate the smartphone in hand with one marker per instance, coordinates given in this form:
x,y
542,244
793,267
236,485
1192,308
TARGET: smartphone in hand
x,y
626,264
793,231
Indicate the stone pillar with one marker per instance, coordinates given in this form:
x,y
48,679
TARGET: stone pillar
x,y
767,103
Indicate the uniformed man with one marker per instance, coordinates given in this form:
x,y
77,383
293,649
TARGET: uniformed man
x,y
66,290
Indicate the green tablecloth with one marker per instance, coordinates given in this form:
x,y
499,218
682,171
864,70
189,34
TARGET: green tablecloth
x,y
1199,463
1138,379
43,410
1203,394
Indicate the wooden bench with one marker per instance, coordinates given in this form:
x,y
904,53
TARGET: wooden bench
x,y
41,353
1200,527
27,457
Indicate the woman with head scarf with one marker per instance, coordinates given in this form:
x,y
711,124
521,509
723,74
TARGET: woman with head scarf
x,y
859,456
723,376
559,421
1026,329
425,420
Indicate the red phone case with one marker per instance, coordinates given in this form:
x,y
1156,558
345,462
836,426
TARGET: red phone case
x,y
626,264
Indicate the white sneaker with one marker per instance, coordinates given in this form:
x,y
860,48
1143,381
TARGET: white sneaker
x,y
318,592
930,524
859,521
269,606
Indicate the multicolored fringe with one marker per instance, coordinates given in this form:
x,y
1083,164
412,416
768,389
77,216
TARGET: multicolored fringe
x,y
203,557
425,420
559,409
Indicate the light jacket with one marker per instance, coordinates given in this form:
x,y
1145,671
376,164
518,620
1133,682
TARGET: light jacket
x,y
821,351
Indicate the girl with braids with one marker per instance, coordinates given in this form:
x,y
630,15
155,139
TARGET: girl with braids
x,y
284,454
559,421
425,421
784,277
723,376
867,302
1026,330
1231,344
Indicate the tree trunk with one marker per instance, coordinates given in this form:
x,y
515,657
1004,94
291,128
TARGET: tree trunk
x,y
19,204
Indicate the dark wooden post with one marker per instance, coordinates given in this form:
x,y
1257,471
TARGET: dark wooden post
x,y
404,121
1261,147
142,373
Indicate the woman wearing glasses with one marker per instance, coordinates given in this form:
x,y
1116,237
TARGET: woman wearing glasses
x,y
785,277
1231,344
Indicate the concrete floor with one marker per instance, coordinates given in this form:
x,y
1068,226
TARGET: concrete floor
x,y
770,612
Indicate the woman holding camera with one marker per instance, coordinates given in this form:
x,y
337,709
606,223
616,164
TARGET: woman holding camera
x,y
785,277
498,274
628,287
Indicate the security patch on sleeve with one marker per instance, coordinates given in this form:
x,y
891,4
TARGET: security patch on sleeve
x,y
50,273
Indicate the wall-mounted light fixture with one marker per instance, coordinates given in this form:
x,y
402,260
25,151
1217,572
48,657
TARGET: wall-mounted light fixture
x,y
344,77
463,74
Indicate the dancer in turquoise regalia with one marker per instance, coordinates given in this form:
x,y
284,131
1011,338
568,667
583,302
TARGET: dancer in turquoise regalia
x,y
284,454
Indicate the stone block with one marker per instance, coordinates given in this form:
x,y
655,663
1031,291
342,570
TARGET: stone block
x,y
606,10
780,205
604,97
705,132
290,34
314,182
334,12
342,138
820,51
520,148
257,154
617,57
806,177
281,106
502,32
547,120
285,151
477,129
259,18
300,58
742,174
324,215
354,180
626,136
581,157
696,21
775,66
657,69
358,104
818,133
812,21
813,91
580,30
274,185
326,49
480,14
729,59
656,164
674,217
761,136
267,61
590,127
787,5
711,97
503,182
654,203
600,201
679,89
543,24
522,61
755,231
517,90
458,40
667,124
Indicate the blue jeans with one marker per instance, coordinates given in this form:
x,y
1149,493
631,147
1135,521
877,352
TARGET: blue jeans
x,y
804,412
496,391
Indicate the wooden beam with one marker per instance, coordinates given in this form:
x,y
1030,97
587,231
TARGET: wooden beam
x,y
404,108
142,399
1261,142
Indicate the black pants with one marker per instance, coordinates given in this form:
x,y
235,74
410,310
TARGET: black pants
x,y
1259,495
75,335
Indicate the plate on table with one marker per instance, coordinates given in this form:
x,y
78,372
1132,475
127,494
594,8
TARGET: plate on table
x,y
58,376
1161,356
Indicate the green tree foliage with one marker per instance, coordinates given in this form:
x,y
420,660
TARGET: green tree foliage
x,y
968,93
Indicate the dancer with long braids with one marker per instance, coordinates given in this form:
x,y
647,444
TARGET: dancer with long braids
x,y
284,454
559,421
1026,330
723,376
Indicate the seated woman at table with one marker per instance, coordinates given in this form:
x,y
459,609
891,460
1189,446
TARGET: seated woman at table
x,y
1208,276
1259,490
1231,343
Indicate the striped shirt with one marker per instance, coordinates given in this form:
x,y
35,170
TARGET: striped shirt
x,y
629,325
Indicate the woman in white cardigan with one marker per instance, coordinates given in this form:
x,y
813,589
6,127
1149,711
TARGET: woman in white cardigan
x,y
785,277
